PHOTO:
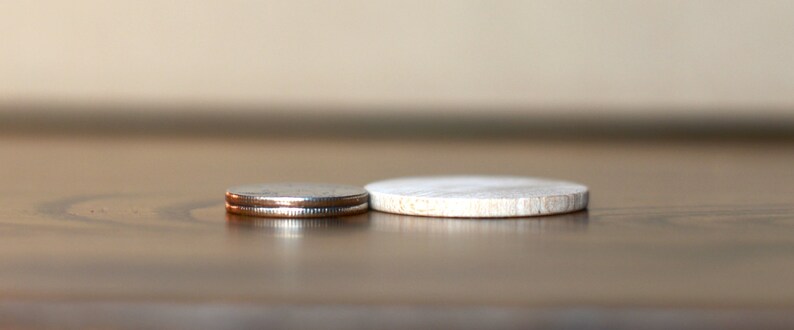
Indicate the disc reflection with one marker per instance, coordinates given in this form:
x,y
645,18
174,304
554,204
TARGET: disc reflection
x,y
286,227
570,222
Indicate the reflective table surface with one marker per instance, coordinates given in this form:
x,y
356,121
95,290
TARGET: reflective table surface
x,y
131,232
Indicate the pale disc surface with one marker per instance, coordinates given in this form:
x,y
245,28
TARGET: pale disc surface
x,y
476,196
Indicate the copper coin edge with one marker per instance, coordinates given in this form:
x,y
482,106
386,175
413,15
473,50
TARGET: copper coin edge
x,y
296,212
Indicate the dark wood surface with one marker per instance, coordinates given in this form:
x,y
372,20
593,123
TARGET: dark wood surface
x,y
131,232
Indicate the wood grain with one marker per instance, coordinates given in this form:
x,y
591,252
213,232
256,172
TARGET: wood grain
x,y
120,232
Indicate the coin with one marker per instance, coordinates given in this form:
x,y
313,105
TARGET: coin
x,y
477,196
296,212
296,195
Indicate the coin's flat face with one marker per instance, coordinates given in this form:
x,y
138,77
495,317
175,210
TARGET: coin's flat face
x,y
477,196
296,212
296,195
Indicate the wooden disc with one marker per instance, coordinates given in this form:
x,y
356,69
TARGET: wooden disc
x,y
476,196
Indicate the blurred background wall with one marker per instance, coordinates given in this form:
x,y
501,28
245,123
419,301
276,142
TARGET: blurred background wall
x,y
612,59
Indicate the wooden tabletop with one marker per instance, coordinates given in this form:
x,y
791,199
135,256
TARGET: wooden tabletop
x,y
130,232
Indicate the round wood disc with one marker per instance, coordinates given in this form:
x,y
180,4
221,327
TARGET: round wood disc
x,y
476,196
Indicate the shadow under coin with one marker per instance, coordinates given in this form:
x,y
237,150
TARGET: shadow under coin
x,y
569,222
293,228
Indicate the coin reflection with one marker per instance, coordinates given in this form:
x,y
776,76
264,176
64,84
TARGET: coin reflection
x,y
570,222
298,227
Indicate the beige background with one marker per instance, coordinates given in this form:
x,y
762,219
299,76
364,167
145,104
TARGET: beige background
x,y
616,57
